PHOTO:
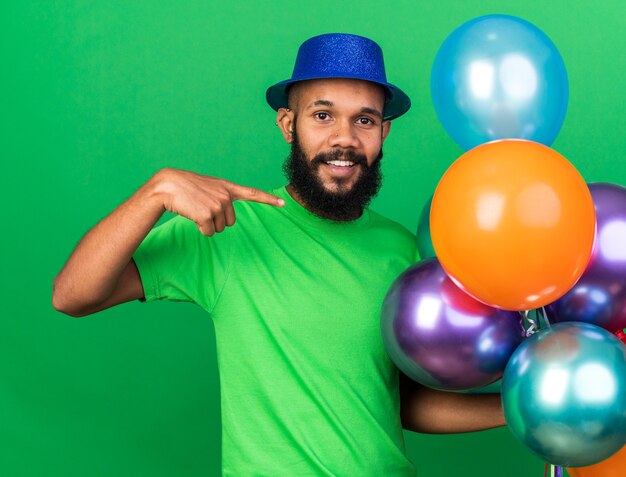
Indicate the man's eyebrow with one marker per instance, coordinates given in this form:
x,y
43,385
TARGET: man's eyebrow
x,y
372,111
322,102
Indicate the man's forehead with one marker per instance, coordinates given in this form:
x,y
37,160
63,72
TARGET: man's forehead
x,y
335,89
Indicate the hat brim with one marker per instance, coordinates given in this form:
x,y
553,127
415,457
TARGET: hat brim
x,y
396,104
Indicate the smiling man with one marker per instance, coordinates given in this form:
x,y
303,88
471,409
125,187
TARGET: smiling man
x,y
294,287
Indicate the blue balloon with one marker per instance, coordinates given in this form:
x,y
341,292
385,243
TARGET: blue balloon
x,y
498,77
564,394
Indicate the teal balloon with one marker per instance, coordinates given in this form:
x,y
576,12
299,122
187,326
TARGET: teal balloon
x,y
424,242
564,394
498,77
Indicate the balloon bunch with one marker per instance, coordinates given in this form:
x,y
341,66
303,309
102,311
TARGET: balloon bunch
x,y
513,227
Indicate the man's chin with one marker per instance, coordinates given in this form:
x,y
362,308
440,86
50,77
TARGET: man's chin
x,y
339,186
338,190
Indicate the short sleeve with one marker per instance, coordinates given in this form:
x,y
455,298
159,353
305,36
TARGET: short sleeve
x,y
176,262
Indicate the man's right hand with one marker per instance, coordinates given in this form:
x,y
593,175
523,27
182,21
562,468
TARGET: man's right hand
x,y
207,201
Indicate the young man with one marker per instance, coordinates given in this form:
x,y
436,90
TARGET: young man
x,y
294,286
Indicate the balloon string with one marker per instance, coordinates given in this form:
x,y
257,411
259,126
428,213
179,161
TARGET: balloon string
x,y
553,471
532,326
545,317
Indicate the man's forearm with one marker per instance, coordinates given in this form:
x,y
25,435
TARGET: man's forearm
x,y
99,274
437,412
93,269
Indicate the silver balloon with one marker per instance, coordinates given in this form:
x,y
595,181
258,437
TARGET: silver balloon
x,y
564,394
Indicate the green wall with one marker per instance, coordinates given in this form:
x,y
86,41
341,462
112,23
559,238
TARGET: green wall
x,y
97,96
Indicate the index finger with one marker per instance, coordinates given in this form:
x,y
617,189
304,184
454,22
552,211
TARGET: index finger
x,y
239,192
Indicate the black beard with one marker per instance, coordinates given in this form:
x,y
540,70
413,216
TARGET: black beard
x,y
343,205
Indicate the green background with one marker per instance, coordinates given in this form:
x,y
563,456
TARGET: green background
x,y
97,96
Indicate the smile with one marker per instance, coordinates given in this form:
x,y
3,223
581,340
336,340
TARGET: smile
x,y
341,163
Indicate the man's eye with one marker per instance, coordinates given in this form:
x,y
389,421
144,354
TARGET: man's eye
x,y
365,121
322,116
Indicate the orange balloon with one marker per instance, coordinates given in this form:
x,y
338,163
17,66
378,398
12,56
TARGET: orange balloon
x,y
513,224
614,466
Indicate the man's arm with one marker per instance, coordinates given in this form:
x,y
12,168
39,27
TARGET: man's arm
x,y
100,272
430,411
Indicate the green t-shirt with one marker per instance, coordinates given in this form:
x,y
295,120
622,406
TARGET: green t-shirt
x,y
307,388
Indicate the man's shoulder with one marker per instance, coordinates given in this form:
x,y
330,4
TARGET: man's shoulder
x,y
389,234
380,221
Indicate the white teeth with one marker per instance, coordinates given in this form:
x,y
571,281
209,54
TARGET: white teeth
x,y
341,163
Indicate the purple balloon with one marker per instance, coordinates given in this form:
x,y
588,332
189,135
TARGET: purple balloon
x,y
599,297
443,338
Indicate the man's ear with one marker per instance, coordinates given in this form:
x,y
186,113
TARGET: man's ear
x,y
386,127
284,120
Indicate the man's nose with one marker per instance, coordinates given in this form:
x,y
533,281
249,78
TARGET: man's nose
x,y
344,135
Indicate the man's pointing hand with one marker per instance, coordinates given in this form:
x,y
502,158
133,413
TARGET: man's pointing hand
x,y
208,201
